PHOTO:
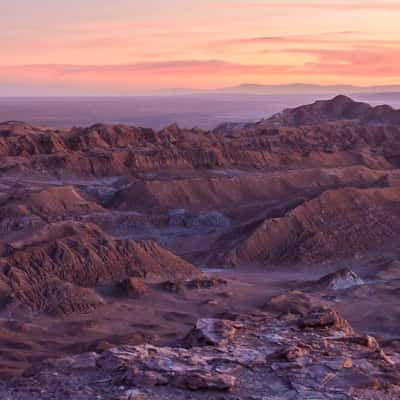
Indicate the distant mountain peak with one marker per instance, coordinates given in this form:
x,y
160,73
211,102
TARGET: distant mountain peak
x,y
340,107
342,99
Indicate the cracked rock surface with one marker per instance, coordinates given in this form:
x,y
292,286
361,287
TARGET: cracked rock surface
x,y
318,356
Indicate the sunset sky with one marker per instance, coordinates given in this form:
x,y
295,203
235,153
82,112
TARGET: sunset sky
x,y
126,47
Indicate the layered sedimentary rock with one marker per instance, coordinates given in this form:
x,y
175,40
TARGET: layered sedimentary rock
x,y
336,224
338,132
74,256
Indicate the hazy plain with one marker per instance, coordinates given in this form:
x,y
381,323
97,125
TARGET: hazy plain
x,y
197,110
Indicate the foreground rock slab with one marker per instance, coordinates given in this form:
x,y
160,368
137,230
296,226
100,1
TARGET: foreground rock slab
x,y
153,366
267,357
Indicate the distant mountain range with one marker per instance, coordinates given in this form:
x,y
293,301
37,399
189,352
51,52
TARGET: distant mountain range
x,y
304,88
289,89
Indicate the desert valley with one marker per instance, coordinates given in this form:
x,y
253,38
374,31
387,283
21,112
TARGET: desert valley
x,y
252,261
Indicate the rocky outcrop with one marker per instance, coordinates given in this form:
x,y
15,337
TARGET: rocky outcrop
x,y
194,200
319,356
82,255
325,318
212,332
337,224
342,279
24,210
60,298
338,132
151,366
339,108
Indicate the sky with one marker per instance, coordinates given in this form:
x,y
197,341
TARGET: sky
x,y
128,47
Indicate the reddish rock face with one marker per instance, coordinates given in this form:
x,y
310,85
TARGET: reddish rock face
x,y
73,256
337,224
325,133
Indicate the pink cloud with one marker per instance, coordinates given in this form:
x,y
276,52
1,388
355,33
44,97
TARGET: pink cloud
x,y
371,63
207,74
365,61
336,5
344,37
169,67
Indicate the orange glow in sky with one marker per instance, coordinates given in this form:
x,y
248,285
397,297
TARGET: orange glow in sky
x,y
134,46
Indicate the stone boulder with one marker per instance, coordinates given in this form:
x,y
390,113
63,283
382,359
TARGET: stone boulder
x,y
212,332
147,365
133,287
325,318
342,279
206,283
176,287
291,302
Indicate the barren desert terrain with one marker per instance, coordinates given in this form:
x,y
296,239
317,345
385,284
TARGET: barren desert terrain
x,y
251,261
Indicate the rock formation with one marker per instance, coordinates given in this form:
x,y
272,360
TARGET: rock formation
x,y
317,356
253,261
